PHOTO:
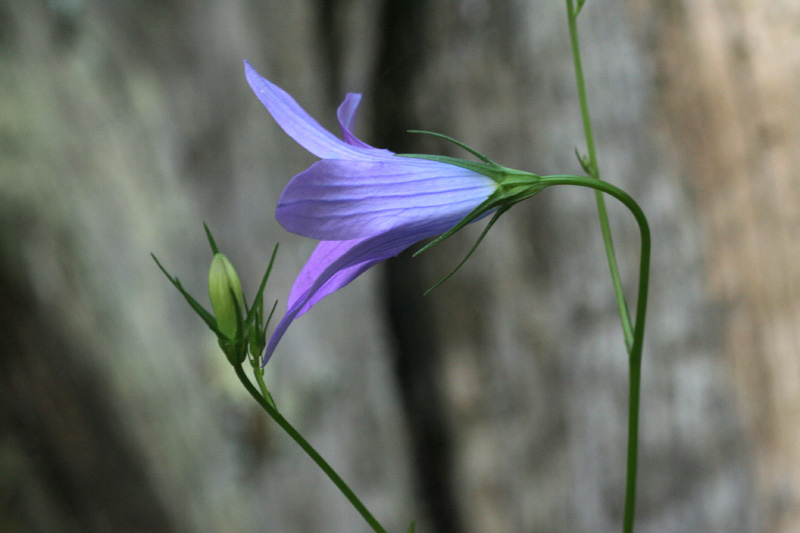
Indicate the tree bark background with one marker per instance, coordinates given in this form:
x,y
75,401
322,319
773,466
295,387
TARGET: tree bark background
x,y
497,403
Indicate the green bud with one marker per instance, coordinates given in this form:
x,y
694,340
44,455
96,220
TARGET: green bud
x,y
223,285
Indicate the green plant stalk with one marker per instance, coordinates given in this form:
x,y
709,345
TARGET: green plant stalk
x,y
635,353
258,372
592,168
316,457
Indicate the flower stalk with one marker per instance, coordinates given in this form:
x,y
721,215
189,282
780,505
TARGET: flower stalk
x,y
635,354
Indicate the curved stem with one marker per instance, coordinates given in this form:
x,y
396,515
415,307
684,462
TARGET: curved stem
x,y
635,353
593,170
303,443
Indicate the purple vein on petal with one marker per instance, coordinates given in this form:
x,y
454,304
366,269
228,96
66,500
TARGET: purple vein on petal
x,y
340,200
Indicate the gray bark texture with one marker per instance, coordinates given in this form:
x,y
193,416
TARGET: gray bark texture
x,y
497,403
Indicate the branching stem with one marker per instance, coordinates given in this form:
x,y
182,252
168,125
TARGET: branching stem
x,y
593,170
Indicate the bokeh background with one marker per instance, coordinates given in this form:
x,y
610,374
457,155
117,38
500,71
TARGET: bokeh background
x,y
496,404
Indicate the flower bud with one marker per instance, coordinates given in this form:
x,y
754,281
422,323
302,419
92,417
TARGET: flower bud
x,y
225,293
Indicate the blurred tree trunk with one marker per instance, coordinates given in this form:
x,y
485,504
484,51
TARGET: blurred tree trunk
x,y
497,403
732,73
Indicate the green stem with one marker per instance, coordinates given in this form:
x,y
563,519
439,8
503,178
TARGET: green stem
x,y
287,427
635,353
592,168
258,372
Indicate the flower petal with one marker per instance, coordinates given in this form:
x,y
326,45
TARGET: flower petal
x,y
347,119
300,126
340,200
334,264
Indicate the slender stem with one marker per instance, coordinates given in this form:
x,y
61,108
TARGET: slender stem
x,y
635,353
592,168
288,428
258,372
634,336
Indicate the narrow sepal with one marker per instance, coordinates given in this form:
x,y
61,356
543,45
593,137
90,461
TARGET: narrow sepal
x,y
239,352
469,149
255,315
475,214
207,317
211,242
494,219
258,300
489,170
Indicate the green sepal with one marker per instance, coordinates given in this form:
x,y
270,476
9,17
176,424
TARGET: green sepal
x,y
491,171
238,353
207,317
255,315
413,527
486,205
469,149
485,231
515,187
214,249
488,167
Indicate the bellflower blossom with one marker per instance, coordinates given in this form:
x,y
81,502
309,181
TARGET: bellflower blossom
x,y
363,204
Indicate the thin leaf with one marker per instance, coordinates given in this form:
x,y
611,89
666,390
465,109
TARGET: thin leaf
x,y
584,162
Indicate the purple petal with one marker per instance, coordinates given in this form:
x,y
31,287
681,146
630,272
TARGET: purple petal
x,y
347,119
299,125
326,253
340,200
335,264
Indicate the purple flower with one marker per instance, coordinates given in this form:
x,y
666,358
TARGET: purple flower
x,y
364,204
